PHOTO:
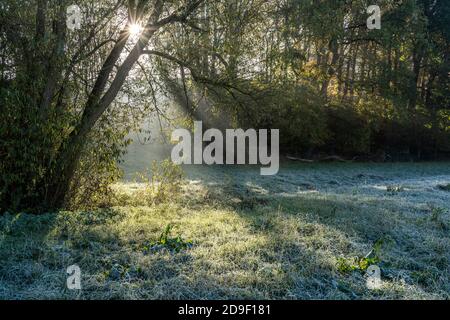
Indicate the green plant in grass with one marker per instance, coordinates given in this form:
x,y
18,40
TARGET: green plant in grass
x,y
165,241
357,263
361,264
437,217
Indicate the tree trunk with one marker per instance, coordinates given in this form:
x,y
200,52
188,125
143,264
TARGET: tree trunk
x,y
97,104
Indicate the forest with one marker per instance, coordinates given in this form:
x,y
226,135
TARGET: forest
x,y
363,113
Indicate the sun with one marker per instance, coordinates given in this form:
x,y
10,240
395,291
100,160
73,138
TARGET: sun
x,y
135,29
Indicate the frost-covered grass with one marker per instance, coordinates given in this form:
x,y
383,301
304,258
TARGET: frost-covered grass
x,y
256,237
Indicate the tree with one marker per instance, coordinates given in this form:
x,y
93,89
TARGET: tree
x,y
45,86
310,68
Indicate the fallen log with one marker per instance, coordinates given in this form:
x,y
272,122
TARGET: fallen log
x,y
299,159
323,159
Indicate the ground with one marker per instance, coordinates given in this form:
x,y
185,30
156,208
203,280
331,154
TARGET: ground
x,y
303,234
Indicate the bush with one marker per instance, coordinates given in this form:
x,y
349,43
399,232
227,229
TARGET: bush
x,y
162,184
350,133
30,142
27,150
297,110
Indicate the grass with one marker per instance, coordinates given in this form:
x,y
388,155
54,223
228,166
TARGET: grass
x,y
233,234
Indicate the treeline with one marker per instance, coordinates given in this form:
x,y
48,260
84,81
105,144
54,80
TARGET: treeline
x,y
333,86
69,97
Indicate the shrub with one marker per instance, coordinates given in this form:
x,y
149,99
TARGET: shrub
x,y
163,184
29,146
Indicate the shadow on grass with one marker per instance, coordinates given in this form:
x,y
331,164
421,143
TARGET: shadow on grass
x,y
253,239
417,254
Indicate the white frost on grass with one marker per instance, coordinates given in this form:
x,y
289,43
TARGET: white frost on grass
x,y
254,237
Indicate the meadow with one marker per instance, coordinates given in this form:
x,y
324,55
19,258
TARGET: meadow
x,y
309,232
